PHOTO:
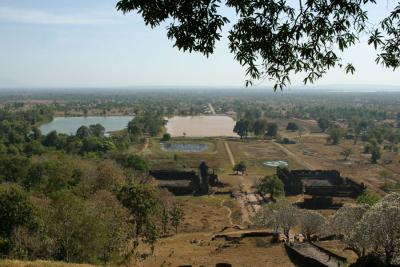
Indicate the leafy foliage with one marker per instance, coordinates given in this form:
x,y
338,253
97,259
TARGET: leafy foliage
x,y
272,129
335,135
135,162
274,39
176,216
240,167
15,211
271,185
367,198
242,128
143,203
292,126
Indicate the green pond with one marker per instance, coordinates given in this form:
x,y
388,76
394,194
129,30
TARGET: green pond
x,y
183,147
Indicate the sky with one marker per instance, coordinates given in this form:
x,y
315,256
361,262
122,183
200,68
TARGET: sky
x,y
75,43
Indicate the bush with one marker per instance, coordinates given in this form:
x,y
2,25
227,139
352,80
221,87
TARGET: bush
x,y
135,162
166,137
292,127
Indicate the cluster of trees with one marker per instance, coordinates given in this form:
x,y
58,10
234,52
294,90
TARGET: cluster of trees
x,y
131,102
86,141
56,204
148,122
282,217
368,228
259,127
376,135
18,131
78,210
19,135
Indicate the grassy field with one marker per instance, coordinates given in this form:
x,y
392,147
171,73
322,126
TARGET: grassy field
x,y
314,150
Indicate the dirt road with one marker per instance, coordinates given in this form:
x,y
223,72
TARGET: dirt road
x,y
229,152
247,200
211,109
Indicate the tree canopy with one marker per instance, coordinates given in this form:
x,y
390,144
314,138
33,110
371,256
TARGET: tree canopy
x,y
271,185
275,39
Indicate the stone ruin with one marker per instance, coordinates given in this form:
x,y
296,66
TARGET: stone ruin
x,y
321,185
182,183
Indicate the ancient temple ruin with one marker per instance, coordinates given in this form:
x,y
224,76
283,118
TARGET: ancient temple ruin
x,y
186,182
320,185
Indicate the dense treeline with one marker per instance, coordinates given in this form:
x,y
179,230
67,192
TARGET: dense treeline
x,y
18,130
61,207
80,197
123,102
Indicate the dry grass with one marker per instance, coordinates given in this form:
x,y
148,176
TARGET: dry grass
x,y
203,213
16,263
314,150
197,249
208,214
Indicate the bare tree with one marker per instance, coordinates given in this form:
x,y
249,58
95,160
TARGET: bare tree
x,y
311,223
381,225
281,216
371,230
287,217
344,220
346,153
345,224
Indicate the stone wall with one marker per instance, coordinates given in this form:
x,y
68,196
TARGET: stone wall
x,y
301,182
185,182
312,255
174,175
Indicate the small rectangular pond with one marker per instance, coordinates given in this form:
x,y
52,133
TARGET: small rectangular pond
x,y
69,125
201,126
276,163
184,147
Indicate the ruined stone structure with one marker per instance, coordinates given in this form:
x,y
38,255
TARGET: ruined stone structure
x,y
186,182
319,183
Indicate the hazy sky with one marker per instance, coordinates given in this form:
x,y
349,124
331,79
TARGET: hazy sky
x,y
75,43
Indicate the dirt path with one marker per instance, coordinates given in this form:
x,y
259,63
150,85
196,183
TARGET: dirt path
x,y
211,109
229,152
229,211
295,157
247,200
145,146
